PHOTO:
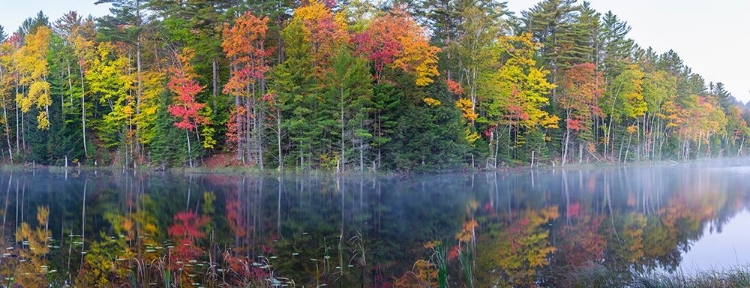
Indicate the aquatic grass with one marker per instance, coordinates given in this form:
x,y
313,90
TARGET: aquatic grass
x,y
597,275
593,275
439,258
738,276
466,266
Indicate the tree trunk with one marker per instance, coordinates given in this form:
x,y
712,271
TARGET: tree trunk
x,y
739,151
580,152
361,147
343,159
18,131
70,89
278,137
619,154
23,133
532,158
700,140
565,146
239,128
259,126
625,160
473,92
7,134
497,147
7,129
214,82
190,157
83,113
609,128
250,125
139,90
361,156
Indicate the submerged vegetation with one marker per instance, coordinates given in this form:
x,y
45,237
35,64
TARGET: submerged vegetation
x,y
351,86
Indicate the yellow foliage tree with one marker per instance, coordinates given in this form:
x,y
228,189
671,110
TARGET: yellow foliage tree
x,y
520,88
33,70
324,30
110,80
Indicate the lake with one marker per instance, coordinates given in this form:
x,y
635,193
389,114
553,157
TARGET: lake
x,y
525,228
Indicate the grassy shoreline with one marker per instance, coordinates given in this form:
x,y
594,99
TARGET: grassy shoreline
x,y
596,275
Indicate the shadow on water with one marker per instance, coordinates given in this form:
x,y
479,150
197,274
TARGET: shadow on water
x,y
530,228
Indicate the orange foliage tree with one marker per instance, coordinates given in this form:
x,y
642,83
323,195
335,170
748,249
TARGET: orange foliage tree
x,y
395,40
583,86
244,44
324,30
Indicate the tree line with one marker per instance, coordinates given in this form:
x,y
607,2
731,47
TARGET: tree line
x,y
412,85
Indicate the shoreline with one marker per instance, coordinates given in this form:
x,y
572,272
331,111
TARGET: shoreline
x,y
242,170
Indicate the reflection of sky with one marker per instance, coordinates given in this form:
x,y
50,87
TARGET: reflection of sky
x,y
720,250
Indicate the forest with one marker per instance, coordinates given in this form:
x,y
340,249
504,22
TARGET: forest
x,y
402,85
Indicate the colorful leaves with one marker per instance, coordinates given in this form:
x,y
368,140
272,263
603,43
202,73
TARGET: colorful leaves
x,y
431,102
33,69
468,231
34,247
395,40
236,117
188,226
244,43
523,247
454,87
573,124
521,88
465,106
424,274
181,83
109,78
324,31
583,86
629,90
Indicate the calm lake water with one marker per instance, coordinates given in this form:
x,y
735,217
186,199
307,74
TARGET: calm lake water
x,y
521,228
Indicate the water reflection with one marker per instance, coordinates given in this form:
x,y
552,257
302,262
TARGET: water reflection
x,y
517,229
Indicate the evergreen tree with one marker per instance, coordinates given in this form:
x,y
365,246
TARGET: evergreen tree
x,y
349,89
296,89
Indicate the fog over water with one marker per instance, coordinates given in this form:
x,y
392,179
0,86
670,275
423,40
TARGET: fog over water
x,y
521,228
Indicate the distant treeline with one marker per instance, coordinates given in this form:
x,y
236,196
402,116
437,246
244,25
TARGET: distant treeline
x,y
408,86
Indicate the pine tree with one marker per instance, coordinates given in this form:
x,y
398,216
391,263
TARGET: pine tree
x,y
296,90
349,88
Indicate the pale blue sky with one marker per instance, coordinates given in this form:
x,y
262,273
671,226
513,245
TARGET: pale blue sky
x,y
14,12
710,36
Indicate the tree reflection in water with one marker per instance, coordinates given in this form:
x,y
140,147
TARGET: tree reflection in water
x,y
466,230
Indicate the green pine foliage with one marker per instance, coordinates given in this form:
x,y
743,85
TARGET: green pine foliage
x,y
481,88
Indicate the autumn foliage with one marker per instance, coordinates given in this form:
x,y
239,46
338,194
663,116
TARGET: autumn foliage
x,y
396,40
244,43
183,84
276,82
583,88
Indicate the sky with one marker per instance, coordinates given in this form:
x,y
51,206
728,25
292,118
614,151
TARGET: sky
x,y
716,250
14,12
710,38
